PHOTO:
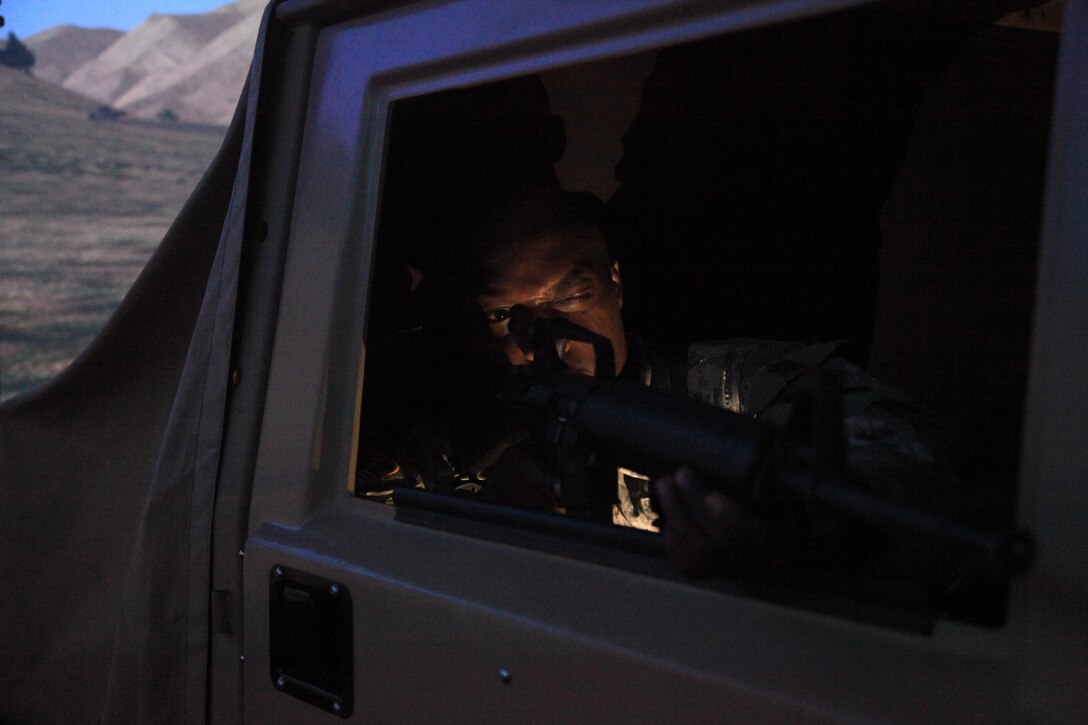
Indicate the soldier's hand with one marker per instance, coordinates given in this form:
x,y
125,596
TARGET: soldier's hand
x,y
705,531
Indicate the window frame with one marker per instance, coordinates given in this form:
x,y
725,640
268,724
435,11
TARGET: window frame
x,y
345,137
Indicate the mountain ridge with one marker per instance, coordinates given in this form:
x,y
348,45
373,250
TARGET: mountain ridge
x,y
192,65
62,49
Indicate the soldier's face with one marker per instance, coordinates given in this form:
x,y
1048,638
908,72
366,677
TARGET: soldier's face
x,y
555,276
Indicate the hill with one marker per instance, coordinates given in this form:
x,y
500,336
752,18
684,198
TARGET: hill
x,y
194,65
82,205
26,95
62,49
205,89
158,45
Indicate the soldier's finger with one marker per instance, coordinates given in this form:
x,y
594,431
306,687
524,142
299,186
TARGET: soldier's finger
x,y
685,544
731,525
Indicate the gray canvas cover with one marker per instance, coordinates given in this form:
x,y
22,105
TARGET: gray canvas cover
x,y
107,476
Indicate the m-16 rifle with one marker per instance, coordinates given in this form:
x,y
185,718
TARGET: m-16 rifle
x,y
769,470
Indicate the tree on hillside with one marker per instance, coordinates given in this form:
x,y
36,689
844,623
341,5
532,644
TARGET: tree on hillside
x,y
15,54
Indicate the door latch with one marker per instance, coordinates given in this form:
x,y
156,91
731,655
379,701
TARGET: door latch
x,y
311,639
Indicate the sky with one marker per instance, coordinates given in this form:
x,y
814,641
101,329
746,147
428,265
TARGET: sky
x,y
27,17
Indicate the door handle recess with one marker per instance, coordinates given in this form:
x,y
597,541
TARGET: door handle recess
x,y
310,638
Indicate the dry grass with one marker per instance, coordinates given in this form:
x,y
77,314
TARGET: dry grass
x,y
82,205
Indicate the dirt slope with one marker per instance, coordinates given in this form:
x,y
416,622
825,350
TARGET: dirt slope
x,y
194,65
62,49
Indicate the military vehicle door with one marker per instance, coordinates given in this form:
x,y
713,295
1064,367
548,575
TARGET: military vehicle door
x,y
444,609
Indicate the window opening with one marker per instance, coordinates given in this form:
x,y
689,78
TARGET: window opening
x,y
864,186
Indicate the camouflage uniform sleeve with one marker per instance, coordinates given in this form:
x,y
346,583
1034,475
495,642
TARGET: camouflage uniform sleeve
x,y
885,453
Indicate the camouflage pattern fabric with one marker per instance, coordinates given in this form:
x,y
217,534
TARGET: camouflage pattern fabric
x,y
756,378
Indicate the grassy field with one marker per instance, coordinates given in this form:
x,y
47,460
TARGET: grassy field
x,y
83,205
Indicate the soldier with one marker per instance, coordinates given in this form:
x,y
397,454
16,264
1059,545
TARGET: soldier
x,y
545,256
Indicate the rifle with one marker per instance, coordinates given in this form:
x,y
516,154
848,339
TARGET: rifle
x,y
799,469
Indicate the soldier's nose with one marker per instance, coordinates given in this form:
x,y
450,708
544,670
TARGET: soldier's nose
x,y
515,354
521,320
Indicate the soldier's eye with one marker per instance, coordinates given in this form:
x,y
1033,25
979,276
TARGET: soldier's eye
x,y
572,300
499,315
